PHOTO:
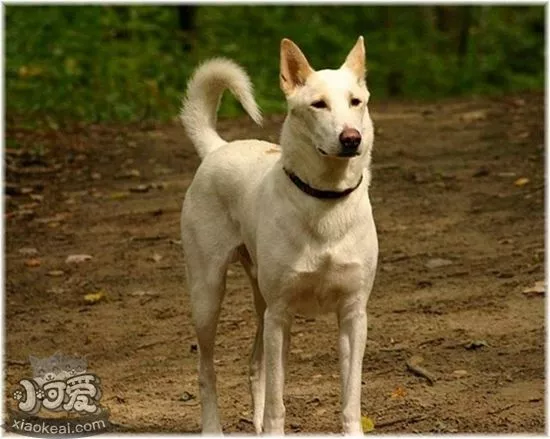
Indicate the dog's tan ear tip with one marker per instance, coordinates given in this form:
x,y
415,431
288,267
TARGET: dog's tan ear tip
x,y
285,42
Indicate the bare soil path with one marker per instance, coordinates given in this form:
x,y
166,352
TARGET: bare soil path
x,y
461,238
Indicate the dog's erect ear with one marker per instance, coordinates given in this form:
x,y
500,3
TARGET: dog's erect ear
x,y
356,59
295,68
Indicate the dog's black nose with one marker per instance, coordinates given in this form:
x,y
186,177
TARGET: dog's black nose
x,y
350,139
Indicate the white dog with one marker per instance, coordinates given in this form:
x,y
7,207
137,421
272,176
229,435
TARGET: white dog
x,y
297,216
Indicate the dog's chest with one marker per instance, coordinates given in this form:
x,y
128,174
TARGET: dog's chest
x,y
319,281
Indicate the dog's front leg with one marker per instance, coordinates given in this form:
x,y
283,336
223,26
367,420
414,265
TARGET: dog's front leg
x,y
352,321
276,342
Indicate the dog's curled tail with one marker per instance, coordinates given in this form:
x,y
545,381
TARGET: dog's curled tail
x,y
204,92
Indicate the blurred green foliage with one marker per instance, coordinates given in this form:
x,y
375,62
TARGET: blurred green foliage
x,y
126,63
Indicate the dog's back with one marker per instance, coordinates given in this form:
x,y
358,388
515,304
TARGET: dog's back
x,y
228,169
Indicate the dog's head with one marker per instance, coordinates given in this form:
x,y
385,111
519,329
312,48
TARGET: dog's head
x,y
328,107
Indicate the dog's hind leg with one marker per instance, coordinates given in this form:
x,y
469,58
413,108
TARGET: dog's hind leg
x,y
206,263
257,363
207,295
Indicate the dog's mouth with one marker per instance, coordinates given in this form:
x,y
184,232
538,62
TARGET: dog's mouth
x,y
349,154
342,154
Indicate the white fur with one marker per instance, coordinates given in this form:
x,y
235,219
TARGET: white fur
x,y
302,254
204,93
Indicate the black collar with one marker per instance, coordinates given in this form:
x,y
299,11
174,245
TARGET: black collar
x,y
317,193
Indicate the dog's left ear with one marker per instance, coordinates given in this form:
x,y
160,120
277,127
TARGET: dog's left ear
x,y
295,68
355,60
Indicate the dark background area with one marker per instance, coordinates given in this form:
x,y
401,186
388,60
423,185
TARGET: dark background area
x,y
126,63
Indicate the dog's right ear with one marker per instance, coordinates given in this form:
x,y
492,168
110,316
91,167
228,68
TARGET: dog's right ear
x,y
355,60
295,68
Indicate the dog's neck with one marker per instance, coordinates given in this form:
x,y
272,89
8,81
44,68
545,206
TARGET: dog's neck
x,y
301,158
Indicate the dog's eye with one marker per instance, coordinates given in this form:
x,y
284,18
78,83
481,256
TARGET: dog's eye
x,y
319,104
355,102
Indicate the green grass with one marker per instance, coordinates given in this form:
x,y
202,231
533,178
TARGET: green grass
x,y
127,63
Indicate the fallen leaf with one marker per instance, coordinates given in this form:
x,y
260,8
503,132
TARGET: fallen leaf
x,y
398,392
141,188
130,173
506,241
537,289
28,251
53,219
94,297
424,284
117,195
473,116
518,102
77,259
35,262
438,262
29,71
367,424
37,197
521,181
55,273
142,293
34,169
460,373
27,206
162,171
138,293
476,344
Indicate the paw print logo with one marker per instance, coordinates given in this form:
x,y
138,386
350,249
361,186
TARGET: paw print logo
x,y
18,395
40,394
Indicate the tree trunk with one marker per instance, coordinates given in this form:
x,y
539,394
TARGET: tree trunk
x,y
186,17
186,20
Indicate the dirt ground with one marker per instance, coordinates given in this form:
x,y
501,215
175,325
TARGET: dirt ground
x,y
461,236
